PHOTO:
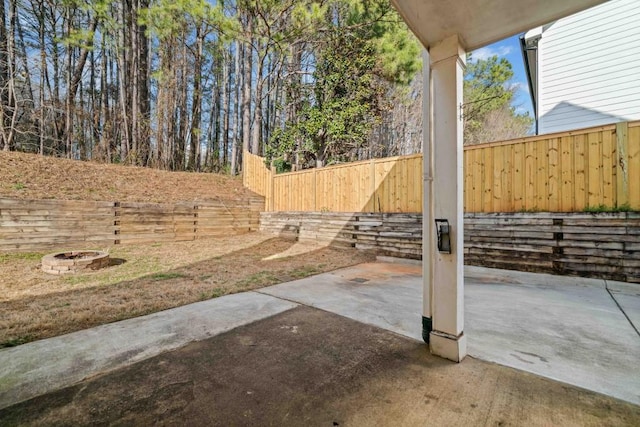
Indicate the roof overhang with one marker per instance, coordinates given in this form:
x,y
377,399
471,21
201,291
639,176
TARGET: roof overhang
x,y
481,22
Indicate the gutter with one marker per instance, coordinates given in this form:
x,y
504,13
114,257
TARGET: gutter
x,y
529,50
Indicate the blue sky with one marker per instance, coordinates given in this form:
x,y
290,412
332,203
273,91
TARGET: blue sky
x,y
510,49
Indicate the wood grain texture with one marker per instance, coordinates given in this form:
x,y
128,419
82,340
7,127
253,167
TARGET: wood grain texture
x,y
581,244
36,225
563,172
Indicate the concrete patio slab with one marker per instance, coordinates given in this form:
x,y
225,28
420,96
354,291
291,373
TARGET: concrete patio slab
x,y
566,328
386,295
313,368
574,333
41,366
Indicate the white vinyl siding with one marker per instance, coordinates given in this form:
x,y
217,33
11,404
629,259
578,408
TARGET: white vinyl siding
x,y
589,68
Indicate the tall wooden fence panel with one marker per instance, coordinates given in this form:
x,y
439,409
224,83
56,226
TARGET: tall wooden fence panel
x,y
256,176
392,184
34,225
398,183
344,188
562,172
297,190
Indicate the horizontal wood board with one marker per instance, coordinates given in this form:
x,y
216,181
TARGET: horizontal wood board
x,y
35,225
591,245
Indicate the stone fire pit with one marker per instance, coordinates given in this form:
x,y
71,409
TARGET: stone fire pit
x,y
74,261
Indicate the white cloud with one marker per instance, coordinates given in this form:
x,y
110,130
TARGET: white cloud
x,y
521,86
489,51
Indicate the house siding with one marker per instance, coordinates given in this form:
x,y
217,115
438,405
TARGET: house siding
x,y
588,68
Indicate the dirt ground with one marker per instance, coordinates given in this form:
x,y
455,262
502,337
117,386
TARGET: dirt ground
x,y
29,176
148,278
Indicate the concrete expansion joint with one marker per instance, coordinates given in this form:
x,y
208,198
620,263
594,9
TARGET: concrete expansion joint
x,y
606,286
257,291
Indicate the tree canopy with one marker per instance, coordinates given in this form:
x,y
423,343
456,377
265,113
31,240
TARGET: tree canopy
x,y
489,113
366,50
190,84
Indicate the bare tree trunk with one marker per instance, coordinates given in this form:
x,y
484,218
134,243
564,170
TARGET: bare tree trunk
x,y
5,80
184,100
23,54
122,76
196,107
10,109
246,90
217,129
143,100
236,122
68,122
208,160
161,101
133,79
43,73
226,104
182,107
4,74
105,134
257,113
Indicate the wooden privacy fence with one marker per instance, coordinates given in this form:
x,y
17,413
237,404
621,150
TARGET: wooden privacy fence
x,y
33,225
562,172
393,184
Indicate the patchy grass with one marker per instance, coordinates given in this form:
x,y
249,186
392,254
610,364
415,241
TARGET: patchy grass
x,y
530,210
154,277
259,279
217,292
14,342
27,256
306,271
166,276
608,209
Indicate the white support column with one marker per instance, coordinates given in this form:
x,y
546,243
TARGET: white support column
x,y
446,278
428,243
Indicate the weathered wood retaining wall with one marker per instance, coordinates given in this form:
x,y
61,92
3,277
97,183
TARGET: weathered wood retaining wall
x,y
603,245
389,234
33,225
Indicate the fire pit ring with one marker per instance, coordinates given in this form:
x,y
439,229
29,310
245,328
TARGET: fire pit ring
x,y
74,261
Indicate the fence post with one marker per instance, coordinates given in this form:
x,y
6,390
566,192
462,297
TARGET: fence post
x,y
116,223
373,183
315,189
622,162
245,160
272,174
